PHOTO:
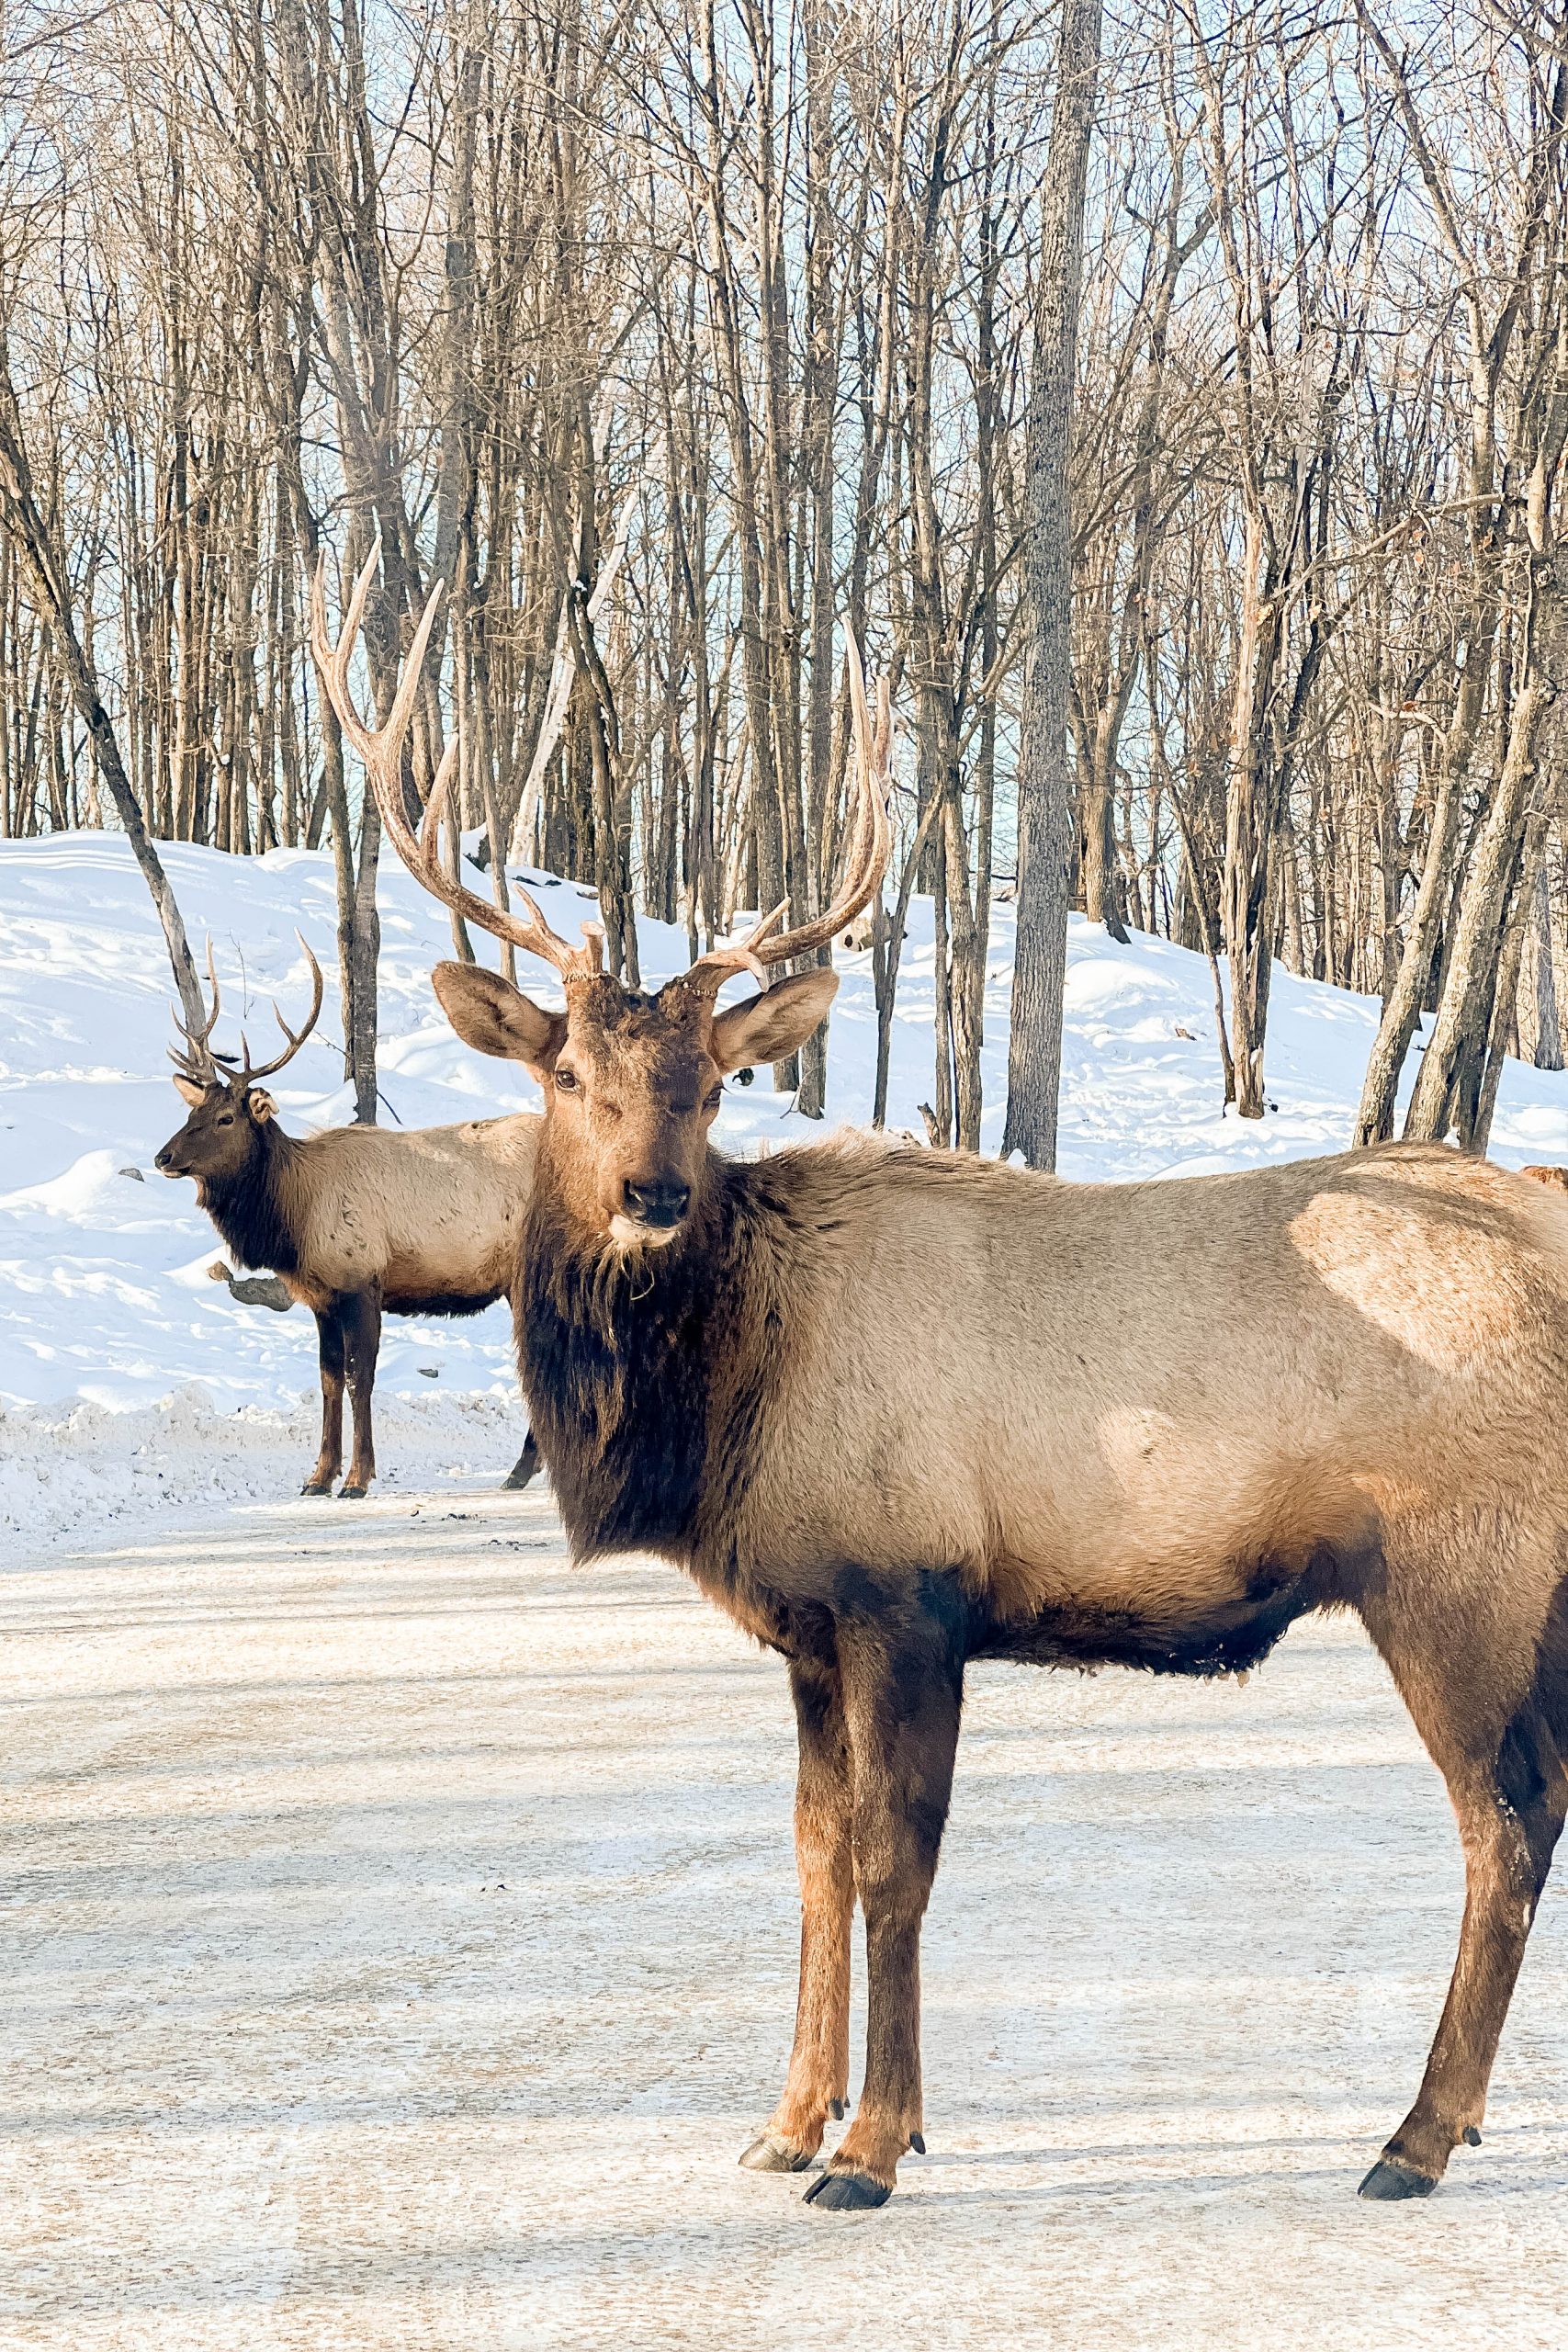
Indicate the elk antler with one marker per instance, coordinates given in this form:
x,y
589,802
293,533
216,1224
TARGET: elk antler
x,y
194,1059
250,1072
870,847
381,749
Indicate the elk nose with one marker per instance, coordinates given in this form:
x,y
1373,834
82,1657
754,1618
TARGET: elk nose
x,y
657,1201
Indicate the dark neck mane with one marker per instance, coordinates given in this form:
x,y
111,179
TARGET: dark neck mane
x,y
642,1373
248,1209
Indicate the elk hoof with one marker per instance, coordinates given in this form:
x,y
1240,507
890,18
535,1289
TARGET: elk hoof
x,y
516,1480
846,2192
768,2153
352,1494
317,1487
1390,2181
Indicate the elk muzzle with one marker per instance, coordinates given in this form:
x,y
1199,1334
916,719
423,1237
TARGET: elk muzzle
x,y
652,1210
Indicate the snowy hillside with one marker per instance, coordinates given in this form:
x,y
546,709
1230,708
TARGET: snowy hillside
x,y
129,1380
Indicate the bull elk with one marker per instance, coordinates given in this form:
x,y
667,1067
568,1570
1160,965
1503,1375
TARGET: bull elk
x,y
896,1410
356,1222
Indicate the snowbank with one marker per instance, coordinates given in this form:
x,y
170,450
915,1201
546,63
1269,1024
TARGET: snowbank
x,y
130,1383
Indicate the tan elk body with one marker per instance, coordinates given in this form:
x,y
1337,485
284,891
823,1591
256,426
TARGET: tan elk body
x,y
429,1215
1151,1403
895,1411
356,1222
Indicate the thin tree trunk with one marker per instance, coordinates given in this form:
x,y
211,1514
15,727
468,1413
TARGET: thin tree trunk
x,y
46,586
1045,823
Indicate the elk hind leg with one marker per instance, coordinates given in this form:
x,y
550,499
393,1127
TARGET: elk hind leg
x,y
818,2083
1509,1793
525,1467
362,1334
328,1462
902,1668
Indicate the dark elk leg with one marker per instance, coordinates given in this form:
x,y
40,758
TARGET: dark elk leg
x,y
818,2082
902,1671
328,1462
361,1333
526,1467
1510,1794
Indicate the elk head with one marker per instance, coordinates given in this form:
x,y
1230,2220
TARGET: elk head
x,y
631,1082
229,1108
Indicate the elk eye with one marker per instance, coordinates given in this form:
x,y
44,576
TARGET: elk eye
x,y
566,1081
225,1118
714,1097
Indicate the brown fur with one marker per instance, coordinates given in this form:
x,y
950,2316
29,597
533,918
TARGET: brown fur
x,y
895,1409
357,1222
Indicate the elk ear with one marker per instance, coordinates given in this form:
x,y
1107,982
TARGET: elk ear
x,y
767,1027
190,1091
260,1105
493,1017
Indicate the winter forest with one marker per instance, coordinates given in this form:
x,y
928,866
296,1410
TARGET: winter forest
x,y
675,342
867,687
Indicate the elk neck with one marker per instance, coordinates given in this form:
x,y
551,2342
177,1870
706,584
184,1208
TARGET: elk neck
x,y
250,1211
645,1375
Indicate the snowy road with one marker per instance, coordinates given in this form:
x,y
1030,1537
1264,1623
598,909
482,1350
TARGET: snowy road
x,y
398,1946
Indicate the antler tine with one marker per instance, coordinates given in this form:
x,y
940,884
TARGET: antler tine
x,y
382,751
194,1059
249,1073
870,848
709,973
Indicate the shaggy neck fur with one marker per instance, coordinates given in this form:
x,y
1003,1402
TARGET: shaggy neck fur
x,y
248,1209
645,1375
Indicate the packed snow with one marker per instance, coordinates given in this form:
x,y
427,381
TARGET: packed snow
x,y
399,1933
131,1383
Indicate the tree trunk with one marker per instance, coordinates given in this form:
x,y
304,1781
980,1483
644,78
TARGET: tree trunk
x,y
1541,1033
1046,824
1462,1021
46,586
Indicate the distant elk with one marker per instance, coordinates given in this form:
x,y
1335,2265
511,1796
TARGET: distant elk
x,y
896,1410
356,1222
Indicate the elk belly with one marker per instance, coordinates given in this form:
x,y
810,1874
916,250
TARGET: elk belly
x,y
1198,1570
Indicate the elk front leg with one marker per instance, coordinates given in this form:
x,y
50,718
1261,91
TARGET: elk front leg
x,y
362,1334
818,2082
901,1665
328,1462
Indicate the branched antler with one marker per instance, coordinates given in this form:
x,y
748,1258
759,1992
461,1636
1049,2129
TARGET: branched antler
x,y
381,749
248,1072
764,945
194,1059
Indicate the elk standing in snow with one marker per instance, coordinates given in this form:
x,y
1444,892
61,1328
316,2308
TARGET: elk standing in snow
x,y
356,1222
899,1410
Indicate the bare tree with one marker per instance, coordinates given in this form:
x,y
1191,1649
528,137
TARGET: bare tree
x,y
1045,820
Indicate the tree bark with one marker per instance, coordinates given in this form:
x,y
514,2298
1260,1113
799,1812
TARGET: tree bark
x,y
1046,839
1540,1031
48,588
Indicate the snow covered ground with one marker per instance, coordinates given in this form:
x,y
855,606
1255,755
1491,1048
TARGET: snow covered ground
x,y
132,1385
400,1924
400,1940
